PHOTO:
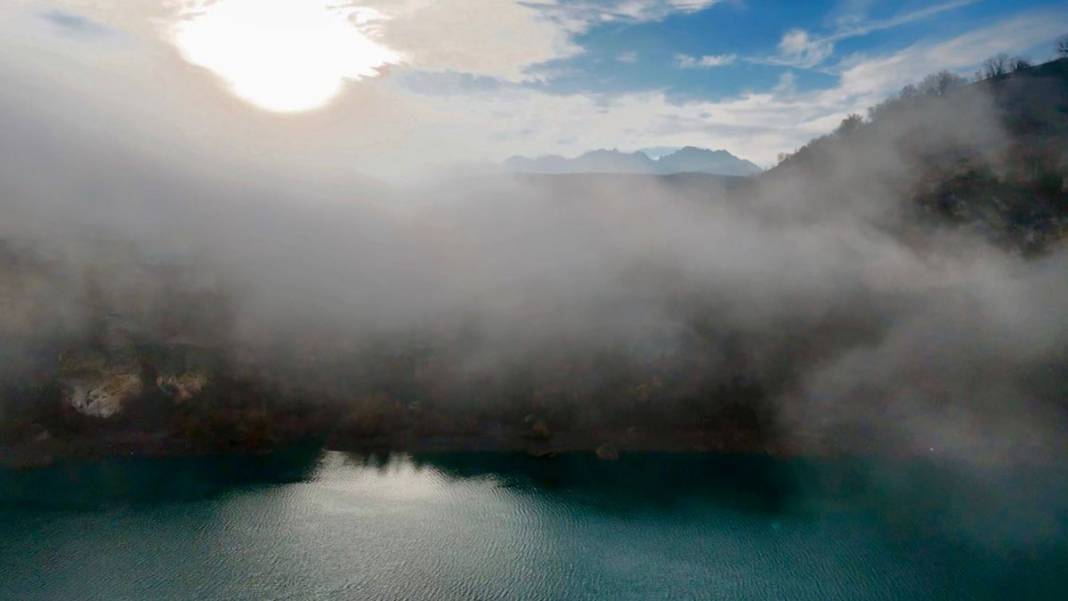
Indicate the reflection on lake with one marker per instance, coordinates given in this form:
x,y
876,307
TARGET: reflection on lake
x,y
309,525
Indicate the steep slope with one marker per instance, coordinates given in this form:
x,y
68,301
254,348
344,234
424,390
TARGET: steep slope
x,y
989,157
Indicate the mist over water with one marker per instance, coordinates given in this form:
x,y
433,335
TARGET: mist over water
x,y
818,304
822,291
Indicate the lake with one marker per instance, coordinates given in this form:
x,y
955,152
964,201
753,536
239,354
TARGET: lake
x,y
307,524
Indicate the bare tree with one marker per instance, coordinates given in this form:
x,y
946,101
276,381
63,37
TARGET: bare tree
x,y
909,91
1002,65
996,66
1062,46
940,84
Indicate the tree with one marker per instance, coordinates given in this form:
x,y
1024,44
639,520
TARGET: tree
x,y
909,91
935,85
1019,64
939,84
849,125
1062,46
996,66
1002,65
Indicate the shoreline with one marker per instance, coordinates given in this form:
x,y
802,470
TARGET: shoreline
x,y
607,446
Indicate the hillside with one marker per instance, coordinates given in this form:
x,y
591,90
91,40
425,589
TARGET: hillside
x,y
989,156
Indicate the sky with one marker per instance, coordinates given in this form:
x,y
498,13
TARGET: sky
x,y
389,87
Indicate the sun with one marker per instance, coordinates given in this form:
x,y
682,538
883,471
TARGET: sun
x,y
281,55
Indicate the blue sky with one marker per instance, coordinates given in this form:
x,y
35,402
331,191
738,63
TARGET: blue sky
x,y
708,51
399,80
744,41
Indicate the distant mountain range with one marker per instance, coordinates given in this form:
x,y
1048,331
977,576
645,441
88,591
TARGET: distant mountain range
x,y
689,159
683,160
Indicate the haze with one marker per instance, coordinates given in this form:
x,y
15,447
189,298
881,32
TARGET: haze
x,y
333,174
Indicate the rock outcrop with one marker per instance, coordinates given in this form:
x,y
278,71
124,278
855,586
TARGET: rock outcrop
x,y
182,387
104,396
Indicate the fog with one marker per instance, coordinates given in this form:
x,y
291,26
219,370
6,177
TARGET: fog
x,y
821,289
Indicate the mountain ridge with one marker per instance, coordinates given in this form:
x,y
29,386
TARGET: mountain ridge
x,y
688,159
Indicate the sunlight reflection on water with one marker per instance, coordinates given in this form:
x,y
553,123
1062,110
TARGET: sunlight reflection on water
x,y
331,525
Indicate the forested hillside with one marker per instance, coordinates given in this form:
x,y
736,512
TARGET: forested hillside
x,y
989,155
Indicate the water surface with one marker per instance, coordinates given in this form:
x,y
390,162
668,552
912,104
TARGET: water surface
x,y
309,525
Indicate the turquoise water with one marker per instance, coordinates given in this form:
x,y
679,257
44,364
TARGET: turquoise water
x,y
311,525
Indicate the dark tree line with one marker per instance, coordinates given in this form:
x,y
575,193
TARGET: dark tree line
x,y
1002,65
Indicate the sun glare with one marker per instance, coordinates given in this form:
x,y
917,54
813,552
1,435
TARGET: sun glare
x,y
281,55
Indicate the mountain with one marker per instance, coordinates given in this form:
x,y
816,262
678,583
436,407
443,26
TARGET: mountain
x,y
700,160
685,160
655,152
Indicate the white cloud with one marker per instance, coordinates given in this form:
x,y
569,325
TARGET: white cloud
x,y
494,38
787,84
799,48
593,11
879,76
288,55
501,39
858,26
685,61
629,58
658,9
